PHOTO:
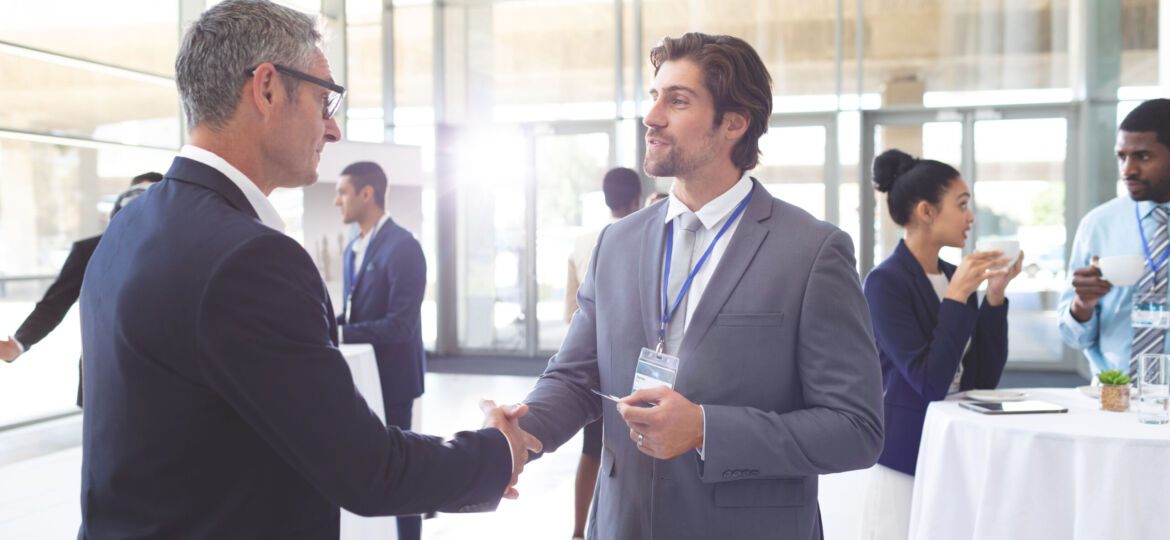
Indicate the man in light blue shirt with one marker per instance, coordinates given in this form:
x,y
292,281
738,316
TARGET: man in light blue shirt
x,y
1095,315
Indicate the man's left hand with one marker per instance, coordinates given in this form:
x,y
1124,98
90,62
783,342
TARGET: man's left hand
x,y
666,430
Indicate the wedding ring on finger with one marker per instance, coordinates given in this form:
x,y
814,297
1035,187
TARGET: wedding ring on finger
x,y
640,438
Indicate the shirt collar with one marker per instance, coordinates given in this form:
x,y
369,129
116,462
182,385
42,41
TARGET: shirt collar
x,y
256,198
717,209
377,227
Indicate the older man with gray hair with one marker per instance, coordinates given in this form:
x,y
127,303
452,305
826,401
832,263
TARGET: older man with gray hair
x,y
217,404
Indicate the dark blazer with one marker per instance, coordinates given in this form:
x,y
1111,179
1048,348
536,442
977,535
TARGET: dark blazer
x,y
385,300
60,297
219,406
920,342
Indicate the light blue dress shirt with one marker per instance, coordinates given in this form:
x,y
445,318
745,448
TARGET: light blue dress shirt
x,y
1107,230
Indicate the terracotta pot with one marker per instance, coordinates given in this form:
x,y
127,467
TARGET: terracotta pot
x,y
1115,397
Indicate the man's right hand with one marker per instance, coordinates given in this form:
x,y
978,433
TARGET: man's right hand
x,y
1089,286
10,349
506,419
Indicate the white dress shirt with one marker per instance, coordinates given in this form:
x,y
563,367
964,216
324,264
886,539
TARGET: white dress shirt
x,y
363,242
940,283
712,215
256,198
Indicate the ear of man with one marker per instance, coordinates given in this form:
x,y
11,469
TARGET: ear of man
x,y
263,81
735,124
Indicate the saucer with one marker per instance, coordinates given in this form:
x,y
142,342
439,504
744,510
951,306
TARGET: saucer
x,y
1094,392
995,396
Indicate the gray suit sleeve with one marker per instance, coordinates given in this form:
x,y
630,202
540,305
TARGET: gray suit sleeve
x,y
561,402
840,427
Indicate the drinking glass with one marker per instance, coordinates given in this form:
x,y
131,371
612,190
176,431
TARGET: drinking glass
x,y
1153,380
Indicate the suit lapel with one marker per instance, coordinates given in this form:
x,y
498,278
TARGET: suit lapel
x,y
922,286
650,274
347,264
741,249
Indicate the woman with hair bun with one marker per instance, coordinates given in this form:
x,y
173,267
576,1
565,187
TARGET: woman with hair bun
x,y
933,337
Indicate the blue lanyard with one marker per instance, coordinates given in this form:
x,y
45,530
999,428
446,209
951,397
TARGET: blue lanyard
x,y
1146,246
668,311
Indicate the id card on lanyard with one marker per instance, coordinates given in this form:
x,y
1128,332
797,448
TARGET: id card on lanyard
x,y
1150,309
655,367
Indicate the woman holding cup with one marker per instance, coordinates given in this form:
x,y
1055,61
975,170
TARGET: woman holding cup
x,y
933,337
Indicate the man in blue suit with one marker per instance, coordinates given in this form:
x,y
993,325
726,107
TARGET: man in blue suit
x,y
385,277
217,404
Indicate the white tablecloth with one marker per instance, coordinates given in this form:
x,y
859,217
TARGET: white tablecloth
x,y
1084,475
364,368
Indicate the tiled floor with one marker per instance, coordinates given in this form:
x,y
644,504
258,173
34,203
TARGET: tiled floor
x,y
39,495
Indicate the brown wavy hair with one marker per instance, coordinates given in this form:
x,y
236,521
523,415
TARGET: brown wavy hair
x,y
736,78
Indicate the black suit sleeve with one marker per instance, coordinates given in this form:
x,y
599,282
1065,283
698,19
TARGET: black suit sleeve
x,y
264,344
61,295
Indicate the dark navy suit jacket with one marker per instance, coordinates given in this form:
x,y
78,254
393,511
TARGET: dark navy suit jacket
x,y
61,295
920,342
217,403
385,299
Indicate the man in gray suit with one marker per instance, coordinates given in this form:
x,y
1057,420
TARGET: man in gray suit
x,y
757,373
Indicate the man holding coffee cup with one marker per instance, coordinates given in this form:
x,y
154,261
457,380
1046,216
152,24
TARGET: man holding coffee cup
x,y
1116,308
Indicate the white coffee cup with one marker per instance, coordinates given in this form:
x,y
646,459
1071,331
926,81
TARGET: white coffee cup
x,y
1010,248
1122,270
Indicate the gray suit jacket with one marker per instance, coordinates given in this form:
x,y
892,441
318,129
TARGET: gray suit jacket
x,y
779,351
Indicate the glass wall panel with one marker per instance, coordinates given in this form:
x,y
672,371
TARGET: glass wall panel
x,y
550,60
1139,43
569,205
1019,195
50,196
136,34
363,49
87,101
796,41
961,52
792,166
492,240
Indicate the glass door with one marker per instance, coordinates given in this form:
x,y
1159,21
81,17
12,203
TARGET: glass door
x,y
570,162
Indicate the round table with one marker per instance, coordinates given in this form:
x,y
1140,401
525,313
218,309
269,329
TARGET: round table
x,y
363,366
1085,474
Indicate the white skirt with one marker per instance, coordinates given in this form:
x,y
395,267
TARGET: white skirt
x,y
887,505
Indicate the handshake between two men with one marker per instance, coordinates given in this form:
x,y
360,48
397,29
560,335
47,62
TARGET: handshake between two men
x,y
663,424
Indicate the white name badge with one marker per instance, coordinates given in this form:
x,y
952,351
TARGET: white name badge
x,y
655,369
1150,315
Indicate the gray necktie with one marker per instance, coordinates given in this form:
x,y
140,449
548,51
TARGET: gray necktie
x,y
680,269
1152,340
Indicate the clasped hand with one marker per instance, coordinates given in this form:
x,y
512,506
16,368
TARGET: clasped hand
x,y
506,419
672,426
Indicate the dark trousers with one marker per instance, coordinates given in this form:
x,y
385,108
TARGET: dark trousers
x,y
398,414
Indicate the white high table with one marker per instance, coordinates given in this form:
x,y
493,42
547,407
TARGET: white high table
x,y
1086,474
364,368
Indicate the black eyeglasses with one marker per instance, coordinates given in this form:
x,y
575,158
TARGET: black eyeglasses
x,y
336,91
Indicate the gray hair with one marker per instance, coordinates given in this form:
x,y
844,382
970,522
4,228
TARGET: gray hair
x,y
231,38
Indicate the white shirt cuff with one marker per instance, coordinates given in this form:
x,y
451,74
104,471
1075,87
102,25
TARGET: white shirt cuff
x,y
702,449
1075,331
19,345
340,334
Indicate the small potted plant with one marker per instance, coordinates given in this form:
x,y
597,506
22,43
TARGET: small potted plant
x,y
1114,390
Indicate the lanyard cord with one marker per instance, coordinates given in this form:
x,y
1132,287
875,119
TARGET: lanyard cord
x,y
667,310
